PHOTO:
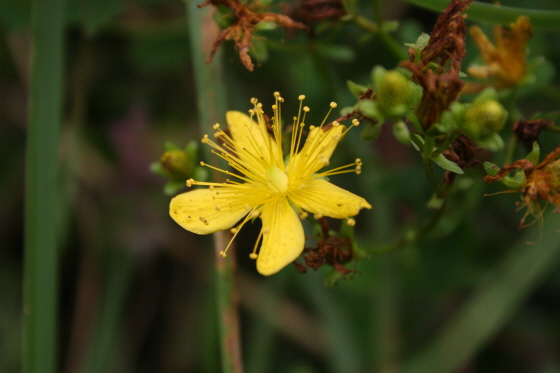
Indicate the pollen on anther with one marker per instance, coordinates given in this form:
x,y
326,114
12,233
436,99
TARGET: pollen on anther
x,y
190,182
301,97
216,126
234,230
351,222
333,104
276,94
355,122
306,109
223,254
253,255
202,163
205,139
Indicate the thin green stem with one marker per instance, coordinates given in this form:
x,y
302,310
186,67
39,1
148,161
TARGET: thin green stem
x,y
428,163
211,89
489,13
42,207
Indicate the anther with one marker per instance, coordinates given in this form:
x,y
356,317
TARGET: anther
x,y
351,222
234,230
253,255
318,216
301,97
303,215
333,105
223,254
205,139
218,208
355,122
202,163
306,109
276,94
216,126
274,107
190,182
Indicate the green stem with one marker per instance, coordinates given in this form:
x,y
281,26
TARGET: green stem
x,y
428,163
42,203
211,92
544,19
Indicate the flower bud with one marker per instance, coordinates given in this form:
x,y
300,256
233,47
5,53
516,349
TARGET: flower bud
x,y
484,117
176,165
393,93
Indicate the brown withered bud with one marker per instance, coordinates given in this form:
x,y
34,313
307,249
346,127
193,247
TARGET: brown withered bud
x,y
541,184
437,71
309,11
247,17
464,152
334,251
528,131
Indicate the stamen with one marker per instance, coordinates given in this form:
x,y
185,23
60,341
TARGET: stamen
x,y
351,222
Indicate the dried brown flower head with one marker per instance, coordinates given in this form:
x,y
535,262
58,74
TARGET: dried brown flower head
x,y
506,62
437,70
541,183
309,11
334,251
528,131
463,151
247,17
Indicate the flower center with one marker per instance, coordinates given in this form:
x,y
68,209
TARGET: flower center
x,y
277,179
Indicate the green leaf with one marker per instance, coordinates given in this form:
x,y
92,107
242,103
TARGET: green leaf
x,y
491,169
418,142
504,15
446,164
535,155
356,89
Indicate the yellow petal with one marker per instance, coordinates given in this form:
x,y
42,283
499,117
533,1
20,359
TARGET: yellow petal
x,y
198,212
253,144
318,196
317,151
283,237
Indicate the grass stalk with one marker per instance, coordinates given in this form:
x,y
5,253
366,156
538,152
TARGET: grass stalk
x,y
42,196
492,304
490,13
211,92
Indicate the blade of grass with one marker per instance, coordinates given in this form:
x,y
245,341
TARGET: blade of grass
x,y
496,300
41,198
211,92
489,13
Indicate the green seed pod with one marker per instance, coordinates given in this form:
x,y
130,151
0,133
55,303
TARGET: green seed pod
x,y
393,93
484,118
175,163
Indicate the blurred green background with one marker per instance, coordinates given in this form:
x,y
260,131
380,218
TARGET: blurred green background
x,y
136,293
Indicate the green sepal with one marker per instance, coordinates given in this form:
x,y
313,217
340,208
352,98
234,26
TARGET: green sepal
x,y
356,89
446,164
491,169
370,132
535,155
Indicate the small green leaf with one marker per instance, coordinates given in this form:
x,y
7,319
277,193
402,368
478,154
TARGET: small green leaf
x,y
535,155
446,164
491,169
356,89
370,132
418,142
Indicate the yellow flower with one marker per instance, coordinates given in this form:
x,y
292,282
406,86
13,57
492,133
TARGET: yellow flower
x,y
506,63
279,193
